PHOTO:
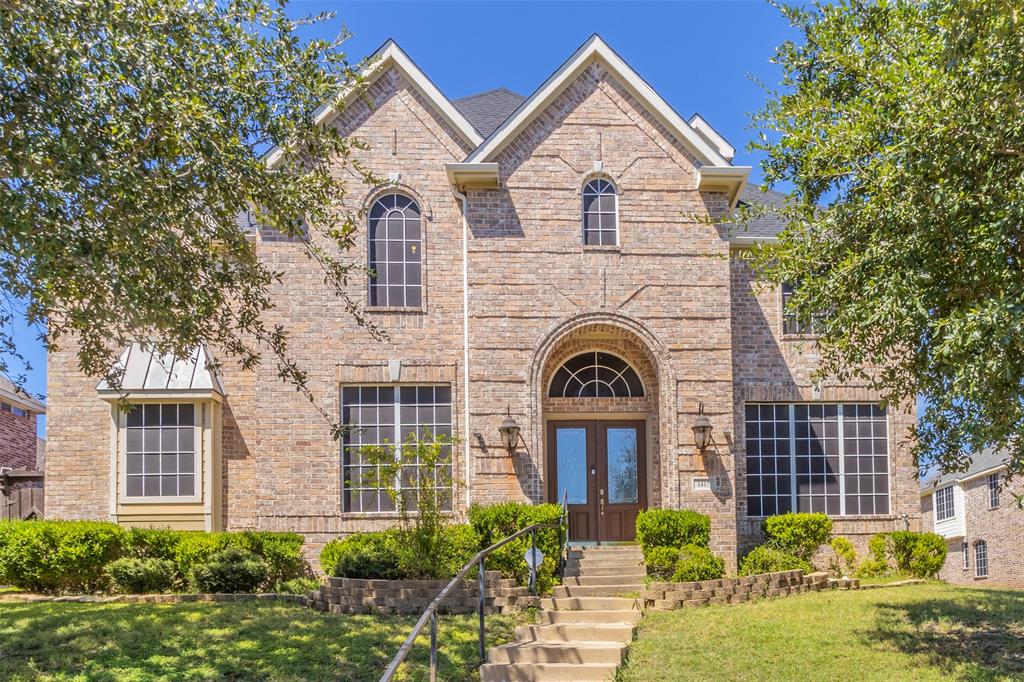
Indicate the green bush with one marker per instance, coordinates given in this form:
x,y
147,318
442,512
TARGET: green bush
x,y
494,522
153,543
461,542
672,528
697,563
921,555
381,543
139,576
59,556
845,561
380,562
298,586
281,552
797,534
661,562
766,559
231,570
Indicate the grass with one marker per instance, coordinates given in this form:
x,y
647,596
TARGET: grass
x,y
239,641
918,632
885,579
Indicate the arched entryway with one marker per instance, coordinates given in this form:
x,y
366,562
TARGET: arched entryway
x,y
598,389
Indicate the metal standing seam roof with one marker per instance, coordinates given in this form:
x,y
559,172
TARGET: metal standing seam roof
x,y
983,461
146,370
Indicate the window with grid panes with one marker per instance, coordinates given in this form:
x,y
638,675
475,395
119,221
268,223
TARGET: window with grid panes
x,y
600,214
980,559
818,457
791,324
993,491
387,415
396,258
160,451
944,508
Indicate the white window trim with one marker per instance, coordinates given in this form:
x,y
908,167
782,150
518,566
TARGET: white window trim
x,y
952,498
965,549
977,565
992,482
583,214
122,458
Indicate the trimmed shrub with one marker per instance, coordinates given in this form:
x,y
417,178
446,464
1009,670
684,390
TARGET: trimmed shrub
x,y
281,552
230,570
921,555
798,534
383,544
461,542
661,562
765,559
845,560
153,543
697,563
138,576
298,586
59,556
494,522
672,528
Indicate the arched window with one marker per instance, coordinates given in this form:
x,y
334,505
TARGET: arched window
x,y
981,559
596,375
395,237
600,214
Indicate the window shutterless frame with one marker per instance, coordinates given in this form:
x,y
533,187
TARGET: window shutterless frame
x,y
600,216
395,253
198,428
993,491
945,504
981,559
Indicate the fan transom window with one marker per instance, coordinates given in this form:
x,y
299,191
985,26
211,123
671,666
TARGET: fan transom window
x,y
596,375
395,254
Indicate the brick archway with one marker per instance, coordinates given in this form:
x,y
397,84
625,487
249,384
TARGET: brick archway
x,y
629,340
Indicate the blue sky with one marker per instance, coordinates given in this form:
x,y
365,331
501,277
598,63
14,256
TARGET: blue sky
x,y
699,56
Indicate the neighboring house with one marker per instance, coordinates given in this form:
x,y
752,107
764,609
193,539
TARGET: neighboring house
x,y
983,525
18,442
541,258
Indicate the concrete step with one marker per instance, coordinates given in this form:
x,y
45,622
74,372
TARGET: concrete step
x,y
637,569
591,604
558,652
593,616
604,562
622,589
636,577
602,549
576,632
544,672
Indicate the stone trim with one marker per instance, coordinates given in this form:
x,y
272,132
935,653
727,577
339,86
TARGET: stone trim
x,y
666,596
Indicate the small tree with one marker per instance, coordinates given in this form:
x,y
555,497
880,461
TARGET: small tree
x,y
417,476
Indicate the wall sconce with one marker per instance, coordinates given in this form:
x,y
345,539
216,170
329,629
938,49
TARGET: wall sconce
x,y
702,430
509,431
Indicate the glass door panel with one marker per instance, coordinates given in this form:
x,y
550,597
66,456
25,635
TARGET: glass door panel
x,y
622,466
571,449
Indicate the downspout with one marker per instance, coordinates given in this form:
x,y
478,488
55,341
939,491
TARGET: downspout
x,y
465,336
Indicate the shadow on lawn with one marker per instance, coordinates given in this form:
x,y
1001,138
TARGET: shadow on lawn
x,y
980,629
214,641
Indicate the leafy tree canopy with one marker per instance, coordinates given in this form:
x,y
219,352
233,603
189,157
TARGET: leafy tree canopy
x,y
131,140
899,125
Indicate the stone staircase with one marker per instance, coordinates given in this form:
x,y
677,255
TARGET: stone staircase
x,y
585,627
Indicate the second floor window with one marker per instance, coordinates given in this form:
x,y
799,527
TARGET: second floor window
x,y
944,503
791,322
600,214
396,254
993,491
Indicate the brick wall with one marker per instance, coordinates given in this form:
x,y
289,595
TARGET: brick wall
x,y
17,440
1002,529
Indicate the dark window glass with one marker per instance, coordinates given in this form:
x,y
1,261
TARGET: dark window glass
x,y
791,324
981,559
810,458
944,508
160,450
596,375
993,491
385,416
395,252
600,217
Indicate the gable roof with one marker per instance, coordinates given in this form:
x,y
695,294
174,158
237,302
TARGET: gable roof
x,y
9,394
985,460
386,56
487,110
765,227
596,49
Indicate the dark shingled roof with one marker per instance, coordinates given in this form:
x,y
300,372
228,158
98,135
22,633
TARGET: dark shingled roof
x,y
766,226
983,461
488,110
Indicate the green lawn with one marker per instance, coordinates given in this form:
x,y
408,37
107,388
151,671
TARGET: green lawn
x,y
242,641
918,632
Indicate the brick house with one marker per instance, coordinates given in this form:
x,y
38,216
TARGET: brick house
x,y
983,525
20,448
537,258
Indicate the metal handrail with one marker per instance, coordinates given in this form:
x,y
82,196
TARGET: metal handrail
x,y
430,613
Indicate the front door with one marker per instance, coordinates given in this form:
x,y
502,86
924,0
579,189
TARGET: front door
x,y
601,467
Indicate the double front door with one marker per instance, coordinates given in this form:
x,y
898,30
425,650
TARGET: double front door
x,y
601,467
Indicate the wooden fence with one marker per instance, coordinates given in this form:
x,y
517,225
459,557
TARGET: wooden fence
x,y
22,502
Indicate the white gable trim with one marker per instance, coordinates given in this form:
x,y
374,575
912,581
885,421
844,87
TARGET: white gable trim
x,y
388,55
596,49
698,123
